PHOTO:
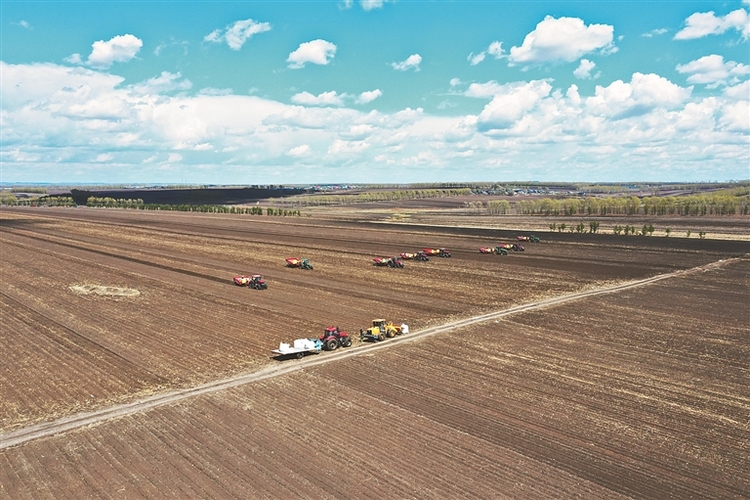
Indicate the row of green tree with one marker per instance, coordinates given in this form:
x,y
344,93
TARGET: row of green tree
x,y
41,201
627,229
107,202
579,228
368,197
728,202
138,204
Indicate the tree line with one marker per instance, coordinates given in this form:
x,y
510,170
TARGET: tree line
x,y
368,197
138,204
728,202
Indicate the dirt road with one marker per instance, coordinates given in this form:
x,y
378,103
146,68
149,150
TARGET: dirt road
x,y
46,429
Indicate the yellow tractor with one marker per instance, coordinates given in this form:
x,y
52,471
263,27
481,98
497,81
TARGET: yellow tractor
x,y
379,330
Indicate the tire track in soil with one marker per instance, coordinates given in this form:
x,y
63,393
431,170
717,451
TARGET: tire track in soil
x,y
81,342
62,241
46,429
236,235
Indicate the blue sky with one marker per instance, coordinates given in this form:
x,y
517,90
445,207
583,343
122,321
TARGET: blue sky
x,y
374,91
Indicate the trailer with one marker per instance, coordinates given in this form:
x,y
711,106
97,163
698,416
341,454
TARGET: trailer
x,y
299,348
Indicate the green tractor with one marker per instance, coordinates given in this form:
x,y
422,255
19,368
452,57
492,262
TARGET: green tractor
x,y
297,262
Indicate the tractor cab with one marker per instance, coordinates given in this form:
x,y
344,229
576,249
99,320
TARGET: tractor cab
x,y
257,282
331,330
334,338
375,332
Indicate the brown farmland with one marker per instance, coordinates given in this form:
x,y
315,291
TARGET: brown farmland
x,y
640,393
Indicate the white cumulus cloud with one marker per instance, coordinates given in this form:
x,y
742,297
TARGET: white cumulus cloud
x,y
495,49
121,48
314,52
372,4
300,151
475,59
565,39
511,102
166,82
484,90
104,157
324,99
703,24
656,32
339,147
369,96
713,70
740,91
62,119
583,71
641,95
235,35
411,62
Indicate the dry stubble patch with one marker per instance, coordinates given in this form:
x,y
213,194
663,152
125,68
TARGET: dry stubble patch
x,y
104,290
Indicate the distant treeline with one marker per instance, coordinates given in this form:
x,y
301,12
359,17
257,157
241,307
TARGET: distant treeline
x,y
32,190
138,204
735,201
727,202
200,196
41,201
368,197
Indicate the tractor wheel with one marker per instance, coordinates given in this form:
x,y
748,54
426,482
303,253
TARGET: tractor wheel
x,y
300,355
390,334
332,344
346,342
381,337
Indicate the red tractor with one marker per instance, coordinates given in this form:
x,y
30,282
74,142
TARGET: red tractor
x,y
499,250
421,256
255,281
440,252
388,261
532,238
333,338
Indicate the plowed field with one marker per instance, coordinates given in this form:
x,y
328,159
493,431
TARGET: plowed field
x,y
640,393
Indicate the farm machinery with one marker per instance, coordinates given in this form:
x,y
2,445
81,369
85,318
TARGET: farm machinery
x,y
298,263
388,261
495,250
381,329
420,256
512,246
255,281
332,339
299,348
439,252
532,239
